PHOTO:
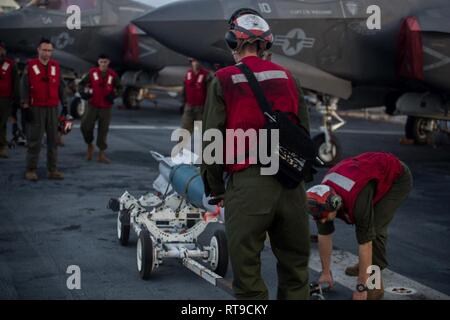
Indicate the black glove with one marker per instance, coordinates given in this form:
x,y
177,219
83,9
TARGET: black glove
x,y
28,115
85,95
110,97
215,200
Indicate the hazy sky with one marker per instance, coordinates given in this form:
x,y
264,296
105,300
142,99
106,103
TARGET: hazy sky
x,y
156,3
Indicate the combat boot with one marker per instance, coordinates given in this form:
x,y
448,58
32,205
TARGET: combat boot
x,y
55,175
102,158
4,153
352,271
376,294
31,175
90,152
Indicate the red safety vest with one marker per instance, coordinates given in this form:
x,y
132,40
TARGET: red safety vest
x,y
44,83
101,87
242,108
6,78
350,176
195,86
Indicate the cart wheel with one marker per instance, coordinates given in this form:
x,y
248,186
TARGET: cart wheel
x,y
219,261
123,227
145,255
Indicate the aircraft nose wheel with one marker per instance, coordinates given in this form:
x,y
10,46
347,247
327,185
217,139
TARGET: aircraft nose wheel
x,y
131,98
77,108
419,129
327,146
330,153
219,252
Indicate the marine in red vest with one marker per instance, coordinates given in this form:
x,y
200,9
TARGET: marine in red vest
x,y
195,88
256,204
100,86
42,92
9,95
365,191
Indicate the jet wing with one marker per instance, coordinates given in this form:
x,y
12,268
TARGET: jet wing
x,y
435,20
432,65
72,62
315,79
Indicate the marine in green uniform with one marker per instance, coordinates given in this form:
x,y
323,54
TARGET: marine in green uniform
x,y
258,205
9,95
100,86
195,88
367,190
42,90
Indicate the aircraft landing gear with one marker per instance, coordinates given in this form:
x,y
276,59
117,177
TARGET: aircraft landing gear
x,y
131,98
329,152
77,107
327,144
419,129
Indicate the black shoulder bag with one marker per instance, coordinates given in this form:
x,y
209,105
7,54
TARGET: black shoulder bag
x,y
296,150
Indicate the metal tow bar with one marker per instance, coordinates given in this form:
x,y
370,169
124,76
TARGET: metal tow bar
x,y
208,275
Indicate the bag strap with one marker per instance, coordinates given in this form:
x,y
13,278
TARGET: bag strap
x,y
257,91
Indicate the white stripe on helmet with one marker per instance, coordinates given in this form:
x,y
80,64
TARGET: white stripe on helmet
x,y
252,22
320,189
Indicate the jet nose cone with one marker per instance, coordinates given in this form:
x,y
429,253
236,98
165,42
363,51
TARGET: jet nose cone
x,y
12,27
193,28
185,11
9,21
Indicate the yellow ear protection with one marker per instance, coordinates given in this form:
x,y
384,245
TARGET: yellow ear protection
x,y
230,36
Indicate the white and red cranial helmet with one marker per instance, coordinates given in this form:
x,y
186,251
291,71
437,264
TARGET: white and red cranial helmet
x,y
247,26
322,200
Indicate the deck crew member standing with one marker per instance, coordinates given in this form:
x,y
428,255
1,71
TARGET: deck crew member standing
x,y
101,87
365,190
195,88
42,92
255,204
9,95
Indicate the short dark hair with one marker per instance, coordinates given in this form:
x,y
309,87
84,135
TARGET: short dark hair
x,y
45,40
103,56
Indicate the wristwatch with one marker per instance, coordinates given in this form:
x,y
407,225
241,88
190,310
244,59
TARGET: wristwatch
x,y
360,287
